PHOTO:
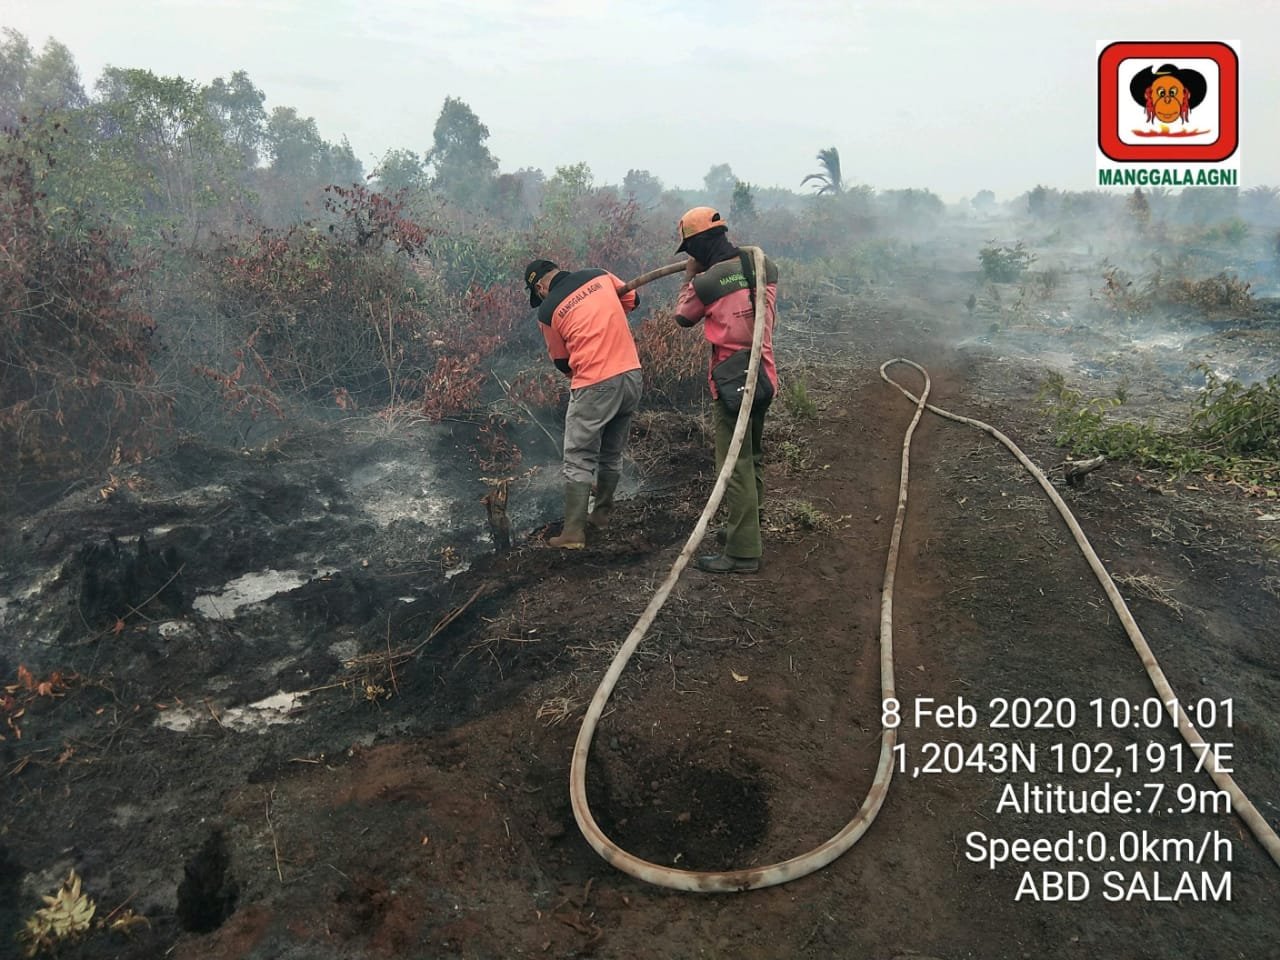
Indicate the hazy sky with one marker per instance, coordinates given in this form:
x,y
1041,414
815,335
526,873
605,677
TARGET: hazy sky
x,y
954,96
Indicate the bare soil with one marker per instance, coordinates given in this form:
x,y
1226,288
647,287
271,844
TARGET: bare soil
x,y
412,800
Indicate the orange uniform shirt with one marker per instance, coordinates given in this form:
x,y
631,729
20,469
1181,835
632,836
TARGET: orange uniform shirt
x,y
584,321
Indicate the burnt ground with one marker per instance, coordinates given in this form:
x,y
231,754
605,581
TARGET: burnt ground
x,y
400,789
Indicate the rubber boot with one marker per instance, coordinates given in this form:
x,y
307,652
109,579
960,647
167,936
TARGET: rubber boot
x,y
606,484
723,563
574,534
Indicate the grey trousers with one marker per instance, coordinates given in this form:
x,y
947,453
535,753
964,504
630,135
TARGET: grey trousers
x,y
597,424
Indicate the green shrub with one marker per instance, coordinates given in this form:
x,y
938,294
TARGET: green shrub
x,y
1045,283
1223,291
1004,264
1233,420
1232,432
795,394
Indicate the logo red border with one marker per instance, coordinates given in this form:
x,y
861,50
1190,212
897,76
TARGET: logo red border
x,y
1109,141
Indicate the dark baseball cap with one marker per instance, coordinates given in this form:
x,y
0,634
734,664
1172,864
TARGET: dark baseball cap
x,y
535,272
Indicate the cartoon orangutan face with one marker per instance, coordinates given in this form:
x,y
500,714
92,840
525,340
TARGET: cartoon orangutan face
x,y
1166,98
1168,94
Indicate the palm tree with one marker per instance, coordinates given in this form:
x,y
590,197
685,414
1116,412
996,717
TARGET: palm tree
x,y
1262,202
830,176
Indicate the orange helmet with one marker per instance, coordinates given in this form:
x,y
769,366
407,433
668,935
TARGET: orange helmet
x,y
698,220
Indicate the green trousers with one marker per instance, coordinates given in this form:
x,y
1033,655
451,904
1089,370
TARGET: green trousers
x,y
744,497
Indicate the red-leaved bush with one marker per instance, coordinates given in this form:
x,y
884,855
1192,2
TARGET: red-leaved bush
x,y
76,384
320,314
464,351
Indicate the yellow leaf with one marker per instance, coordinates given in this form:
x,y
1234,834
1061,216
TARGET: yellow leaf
x,y
65,916
127,921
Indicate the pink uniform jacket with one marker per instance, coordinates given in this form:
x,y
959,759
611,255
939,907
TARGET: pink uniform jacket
x,y
719,296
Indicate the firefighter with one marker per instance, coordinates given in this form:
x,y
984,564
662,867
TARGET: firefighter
x,y
720,291
584,321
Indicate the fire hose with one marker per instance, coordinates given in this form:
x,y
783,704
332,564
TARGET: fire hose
x,y
820,856
652,275
1239,802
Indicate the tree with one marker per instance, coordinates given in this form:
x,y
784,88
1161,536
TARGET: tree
x,y
984,201
1204,205
1041,200
15,64
1139,209
516,198
302,162
719,182
742,209
642,187
238,108
462,165
299,153
32,84
1262,202
294,145
340,164
1086,203
53,83
1159,199
568,186
913,207
573,180
830,179
400,170
158,136
533,183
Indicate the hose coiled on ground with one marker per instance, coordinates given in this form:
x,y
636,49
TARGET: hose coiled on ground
x,y
1239,802
813,860
820,856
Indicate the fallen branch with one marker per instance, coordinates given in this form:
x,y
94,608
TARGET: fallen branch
x,y
391,667
400,656
275,845
119,624
506,388
447,619
1076,470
